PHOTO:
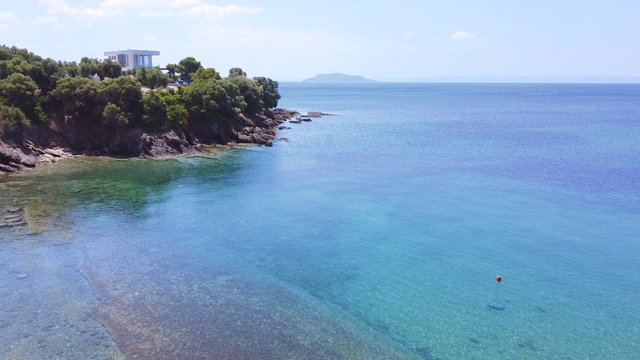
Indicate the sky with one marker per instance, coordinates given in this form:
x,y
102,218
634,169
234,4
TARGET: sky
x,y
384,40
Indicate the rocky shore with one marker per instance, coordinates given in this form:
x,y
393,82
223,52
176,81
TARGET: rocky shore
x,y
62,139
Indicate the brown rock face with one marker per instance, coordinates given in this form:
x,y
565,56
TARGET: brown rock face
x,y
68,137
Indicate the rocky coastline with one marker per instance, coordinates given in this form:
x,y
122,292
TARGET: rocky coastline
x,y
62,140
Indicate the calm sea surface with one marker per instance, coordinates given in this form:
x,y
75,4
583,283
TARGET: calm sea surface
x,y
377,233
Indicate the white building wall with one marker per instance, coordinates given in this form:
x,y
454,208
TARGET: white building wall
x,y
130,59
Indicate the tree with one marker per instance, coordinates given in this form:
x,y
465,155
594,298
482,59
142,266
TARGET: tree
x,y
111,69
10,119
233,102
68,69
19,91
15,65
203,74
177,114
155,111
236,71
113,115
270,93
152,77
5,53
47,76
125,93
90,67
187,67
78,96
250,91
171,69
141,76
202,100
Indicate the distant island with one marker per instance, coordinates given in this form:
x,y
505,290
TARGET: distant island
x,y
337,77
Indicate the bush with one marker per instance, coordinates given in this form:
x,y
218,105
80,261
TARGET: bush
x,y
10,119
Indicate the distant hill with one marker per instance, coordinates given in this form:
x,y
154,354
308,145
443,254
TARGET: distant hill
x,y
337,77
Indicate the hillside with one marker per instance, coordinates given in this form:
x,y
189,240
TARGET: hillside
x,y
51,109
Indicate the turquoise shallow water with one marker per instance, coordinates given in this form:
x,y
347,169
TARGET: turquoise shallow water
x,y
375,233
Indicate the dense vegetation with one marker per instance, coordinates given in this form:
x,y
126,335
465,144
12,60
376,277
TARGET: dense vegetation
x,y
36,92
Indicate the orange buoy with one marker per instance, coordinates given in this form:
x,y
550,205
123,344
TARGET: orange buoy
x,y
499,278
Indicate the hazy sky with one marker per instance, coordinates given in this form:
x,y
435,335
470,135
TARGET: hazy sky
x,y
293,40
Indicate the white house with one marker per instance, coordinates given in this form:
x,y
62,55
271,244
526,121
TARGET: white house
x,y
130,59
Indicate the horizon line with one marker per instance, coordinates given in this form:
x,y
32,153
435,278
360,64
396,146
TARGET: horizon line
x,y
505,78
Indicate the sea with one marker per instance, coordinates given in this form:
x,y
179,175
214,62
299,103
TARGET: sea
x,y
376,232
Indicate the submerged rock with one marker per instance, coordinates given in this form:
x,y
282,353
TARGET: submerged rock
x,y
15,217
496,306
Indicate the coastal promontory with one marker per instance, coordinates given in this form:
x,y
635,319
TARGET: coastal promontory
x,y
53,109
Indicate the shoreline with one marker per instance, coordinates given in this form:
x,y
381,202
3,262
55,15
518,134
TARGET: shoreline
x,y
28,151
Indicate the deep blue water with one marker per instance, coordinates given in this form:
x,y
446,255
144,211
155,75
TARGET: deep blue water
x,y
374,233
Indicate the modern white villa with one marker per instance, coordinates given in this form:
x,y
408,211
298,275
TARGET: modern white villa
x,y
130,59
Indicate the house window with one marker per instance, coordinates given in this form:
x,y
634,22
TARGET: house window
x,y
123,60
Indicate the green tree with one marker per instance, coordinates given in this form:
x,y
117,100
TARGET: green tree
x,y
177,114
155,111
270,93
68,69
152,77
22,92
202,100
5,53
250,91
15,65
203,74
125,93
236,71
78,97
91,67
111,69
171,69
48,75
113,115
187,67
233,102
19,91
10,119
141,76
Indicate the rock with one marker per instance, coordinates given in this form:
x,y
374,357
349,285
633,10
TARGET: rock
x,y
65,136
15,158
21,276
13,215
284,114
496,306
14,221
56,153
10,168
13,224
317,114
